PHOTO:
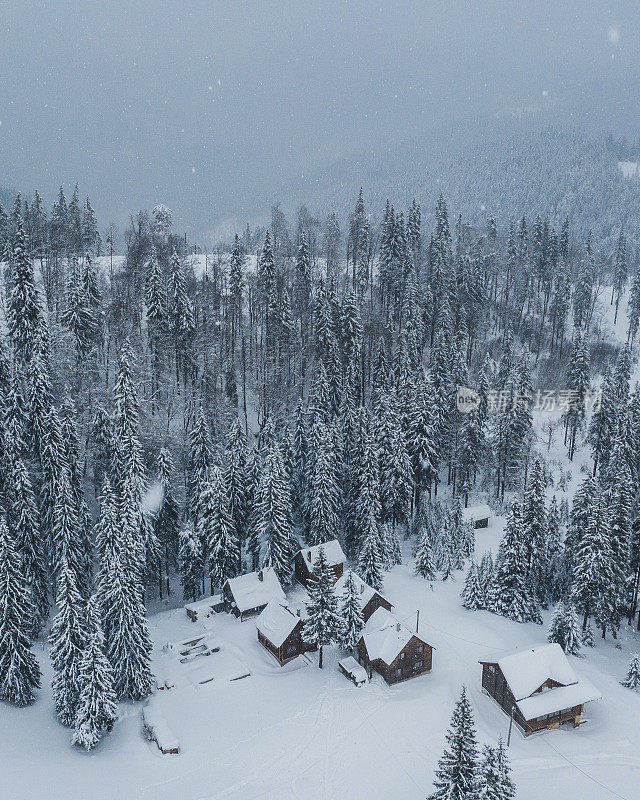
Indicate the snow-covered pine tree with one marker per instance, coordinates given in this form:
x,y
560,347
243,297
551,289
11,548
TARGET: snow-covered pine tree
x,y
167,518
23,311
370,559
191,564
472,593
19,670
632,681
97,709
323,623
24,523
495,774
67,640
236,479
535,528
425,560
323,490
200,460
457,773
350,614
271,519
215,527
510,590
595,584
129,646
485,576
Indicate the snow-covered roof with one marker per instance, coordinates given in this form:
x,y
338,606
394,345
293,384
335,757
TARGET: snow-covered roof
x,y
553,700
365,592
276,622
473,513
385,636
526,671
351,667
249,591
332,552
205,604
157,724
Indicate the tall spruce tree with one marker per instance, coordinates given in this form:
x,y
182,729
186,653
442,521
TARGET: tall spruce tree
x,y
323,624
97,709
19,670
457,773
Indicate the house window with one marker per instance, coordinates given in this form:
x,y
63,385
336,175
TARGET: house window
x,y
401,656
418,665
398,673
491,670
420,649
291,649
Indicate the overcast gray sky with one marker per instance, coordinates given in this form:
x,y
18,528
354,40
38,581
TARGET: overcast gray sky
x,y
216,107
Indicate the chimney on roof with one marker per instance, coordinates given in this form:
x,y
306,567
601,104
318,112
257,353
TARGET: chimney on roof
x,y
362,588
308,555
298,611
261,575
398,627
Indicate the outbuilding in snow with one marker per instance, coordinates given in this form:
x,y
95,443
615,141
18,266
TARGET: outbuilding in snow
x,y
305,559
478,515
538,687
394,651
205,608
247,595
350,667
370,599
280,632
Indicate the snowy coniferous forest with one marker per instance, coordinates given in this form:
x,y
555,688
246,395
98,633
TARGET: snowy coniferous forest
x,y
170,419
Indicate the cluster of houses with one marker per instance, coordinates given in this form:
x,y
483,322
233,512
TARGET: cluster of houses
x,y
536,688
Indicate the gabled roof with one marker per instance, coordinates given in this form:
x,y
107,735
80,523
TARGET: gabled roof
x,y
276,622
249,591
385,637
474,513
365,592
332,551
526,671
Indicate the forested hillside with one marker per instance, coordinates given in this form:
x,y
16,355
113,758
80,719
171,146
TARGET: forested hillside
x,y
171,419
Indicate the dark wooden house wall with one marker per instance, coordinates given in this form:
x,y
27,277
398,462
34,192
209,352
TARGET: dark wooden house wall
x,y
376,602
495,684
294,645
404,666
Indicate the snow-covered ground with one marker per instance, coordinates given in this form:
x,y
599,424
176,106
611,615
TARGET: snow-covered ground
x,y
304,732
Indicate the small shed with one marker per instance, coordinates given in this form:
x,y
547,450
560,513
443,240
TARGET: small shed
x,y
538,687
350,667
478,515
370,599
205,608
280,632
305,559
247,595
392,650
155,729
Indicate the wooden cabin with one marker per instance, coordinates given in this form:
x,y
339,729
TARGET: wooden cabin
x,y
392,650
478,515
370,599
247,595
280,632
305,559
538,687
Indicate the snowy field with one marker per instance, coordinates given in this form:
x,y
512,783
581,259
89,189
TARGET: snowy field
x,y
304,732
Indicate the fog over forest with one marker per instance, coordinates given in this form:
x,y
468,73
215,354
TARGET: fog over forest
x,y
219,109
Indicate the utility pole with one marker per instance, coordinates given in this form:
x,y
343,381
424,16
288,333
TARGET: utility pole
x,y
417,620
513,708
